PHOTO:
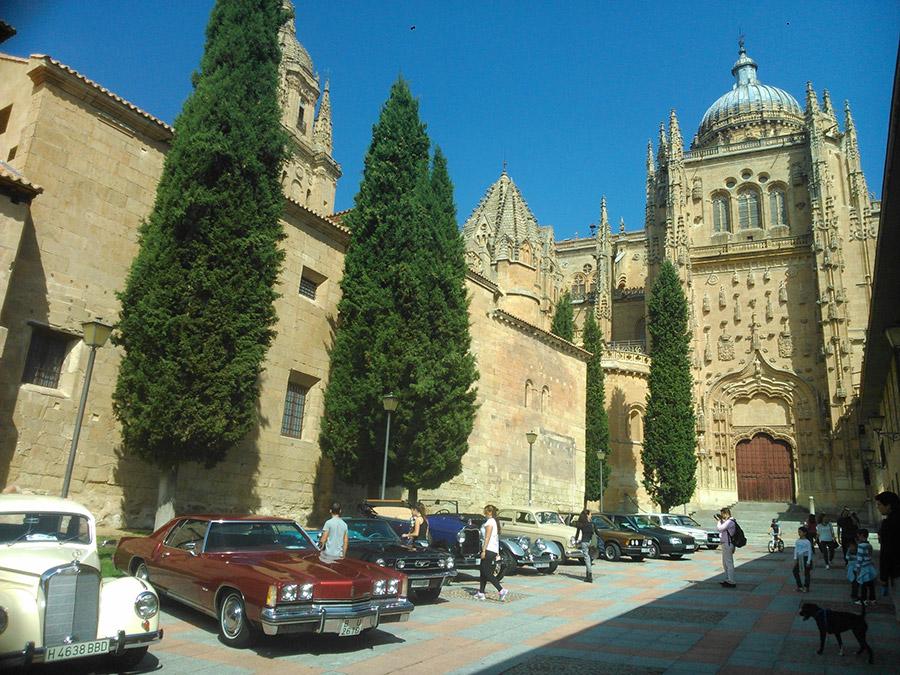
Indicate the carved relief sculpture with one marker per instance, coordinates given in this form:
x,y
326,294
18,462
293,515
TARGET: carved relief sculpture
x,y
706,302
722,302
737,309
782,292
785,344
770,312
726,347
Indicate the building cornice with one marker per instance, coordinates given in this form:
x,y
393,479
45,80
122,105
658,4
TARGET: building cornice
x,y
482,281
15,185
625,361
323,224
540,334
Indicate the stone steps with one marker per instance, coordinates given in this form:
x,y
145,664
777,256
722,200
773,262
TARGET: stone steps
x,y
755,519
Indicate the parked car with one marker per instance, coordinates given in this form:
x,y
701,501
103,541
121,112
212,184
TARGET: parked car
x,y
687,525
611,542
54,605
257,573
460,535
542,523
662,541
375,541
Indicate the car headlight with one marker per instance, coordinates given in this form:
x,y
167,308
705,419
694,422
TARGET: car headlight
x,y
674,540
4,619
450,563
401,564
441,562
380,587
461,536
393,587
540,545
145,606
306,592
572,541
380,562
288,593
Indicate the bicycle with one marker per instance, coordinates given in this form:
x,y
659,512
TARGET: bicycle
x,y
776,543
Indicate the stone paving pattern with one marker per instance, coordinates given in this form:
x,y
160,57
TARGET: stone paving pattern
x,y
658,616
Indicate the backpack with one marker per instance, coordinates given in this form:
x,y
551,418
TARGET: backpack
x,y
739,539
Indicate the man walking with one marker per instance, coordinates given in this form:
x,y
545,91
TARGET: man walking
x,y
333,541
726,529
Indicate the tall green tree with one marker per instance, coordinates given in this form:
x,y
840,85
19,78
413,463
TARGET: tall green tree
x,y
564,318
403,317
670,462
197,311
596,423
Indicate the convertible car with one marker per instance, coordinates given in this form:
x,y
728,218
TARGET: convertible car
x,y
253,573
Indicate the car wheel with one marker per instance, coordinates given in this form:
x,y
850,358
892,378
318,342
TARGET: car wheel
x,y
675,556
129,659
654,550
509,563
551,569
712,548
234,626
611,553
428,594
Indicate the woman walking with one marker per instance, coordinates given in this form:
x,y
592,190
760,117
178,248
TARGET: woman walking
x,y
418,531
490,549
827,544
584,536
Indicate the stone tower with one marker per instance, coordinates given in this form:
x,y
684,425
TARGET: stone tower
x,y
310,175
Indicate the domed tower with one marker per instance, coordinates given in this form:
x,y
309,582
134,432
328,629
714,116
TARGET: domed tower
x,y
310,175
768,219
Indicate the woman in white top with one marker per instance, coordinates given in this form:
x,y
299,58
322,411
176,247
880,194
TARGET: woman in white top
x,y
827,544
490,549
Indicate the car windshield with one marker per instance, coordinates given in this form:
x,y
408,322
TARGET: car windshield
x,y
603,523
43,527
256,536
369,530
549,518
687,521
642,522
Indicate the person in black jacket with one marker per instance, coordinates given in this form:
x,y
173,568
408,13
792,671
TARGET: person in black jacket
x,y
585,528
888,504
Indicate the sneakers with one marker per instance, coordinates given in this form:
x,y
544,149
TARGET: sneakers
x,y
827,566
479,596
728,584
799,589
503,594
857,602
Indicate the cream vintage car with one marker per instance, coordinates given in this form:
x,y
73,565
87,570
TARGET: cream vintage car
x,y
542,522
54,605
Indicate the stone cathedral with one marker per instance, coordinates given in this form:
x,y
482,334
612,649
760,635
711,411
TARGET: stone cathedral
x,y
771,226
767,217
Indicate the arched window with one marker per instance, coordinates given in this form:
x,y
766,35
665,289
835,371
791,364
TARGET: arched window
x,y
578,287
529,385
748,210
721,214
525,253
545,399
777,207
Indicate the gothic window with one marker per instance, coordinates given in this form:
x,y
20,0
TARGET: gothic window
x,y
578,287
529,385
777,207
525,253
545,399
748,210
721,215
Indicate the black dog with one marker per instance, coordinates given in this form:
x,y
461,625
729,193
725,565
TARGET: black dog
x,y
830,621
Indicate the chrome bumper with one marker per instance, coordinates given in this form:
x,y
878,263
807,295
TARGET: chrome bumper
x,y
117,646
445,574
327,618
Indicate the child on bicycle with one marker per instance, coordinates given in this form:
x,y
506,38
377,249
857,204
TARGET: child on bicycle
x,y
775,529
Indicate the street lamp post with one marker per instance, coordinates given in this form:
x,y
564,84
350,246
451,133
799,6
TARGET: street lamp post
x,y
390,405
531,437
601,456
96,334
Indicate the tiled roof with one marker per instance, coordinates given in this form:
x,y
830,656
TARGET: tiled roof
x,y
12,177
51,62
327,219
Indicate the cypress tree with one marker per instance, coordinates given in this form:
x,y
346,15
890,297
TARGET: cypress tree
x,y
596,423
564,318
197,311
670,463
403,317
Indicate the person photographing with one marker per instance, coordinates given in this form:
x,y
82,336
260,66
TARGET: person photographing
x,y
726,526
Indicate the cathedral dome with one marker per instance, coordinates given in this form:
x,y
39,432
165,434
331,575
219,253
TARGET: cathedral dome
x,y
293,54
749,103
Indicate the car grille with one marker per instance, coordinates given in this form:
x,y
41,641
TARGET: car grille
x,y
72,596
471,545
415,565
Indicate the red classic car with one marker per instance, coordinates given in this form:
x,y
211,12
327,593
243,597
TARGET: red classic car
x,y
251,572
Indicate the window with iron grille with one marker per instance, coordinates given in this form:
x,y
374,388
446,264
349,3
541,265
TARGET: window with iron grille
x,y
294,402
46,354
308,287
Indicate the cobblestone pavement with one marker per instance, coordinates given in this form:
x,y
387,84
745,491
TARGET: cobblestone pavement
x,y
658,616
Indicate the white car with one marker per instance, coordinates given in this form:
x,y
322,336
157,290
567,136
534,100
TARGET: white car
x,y
540,522
54,605
687,525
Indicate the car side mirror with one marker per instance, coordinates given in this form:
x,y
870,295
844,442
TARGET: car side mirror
x,y
191,547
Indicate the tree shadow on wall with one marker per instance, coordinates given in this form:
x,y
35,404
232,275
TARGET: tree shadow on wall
x,y
626,476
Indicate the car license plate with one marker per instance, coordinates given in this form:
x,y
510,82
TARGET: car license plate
x,y
76,650
541,565
350,627
419,583
690,547
645,550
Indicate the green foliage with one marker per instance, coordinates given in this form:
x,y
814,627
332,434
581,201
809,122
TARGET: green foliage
x,y
564,318
197,310
404,323
670,462
596,422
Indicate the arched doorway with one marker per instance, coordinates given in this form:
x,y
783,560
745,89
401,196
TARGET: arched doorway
x,y
765,471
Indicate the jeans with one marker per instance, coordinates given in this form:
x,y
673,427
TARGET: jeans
x,y
728,562
586,549
827,549
486,570
807,572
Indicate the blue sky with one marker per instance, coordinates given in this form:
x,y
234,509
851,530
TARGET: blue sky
x,y
567,93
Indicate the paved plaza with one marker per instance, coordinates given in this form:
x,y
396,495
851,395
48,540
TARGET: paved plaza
x,y
653,617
